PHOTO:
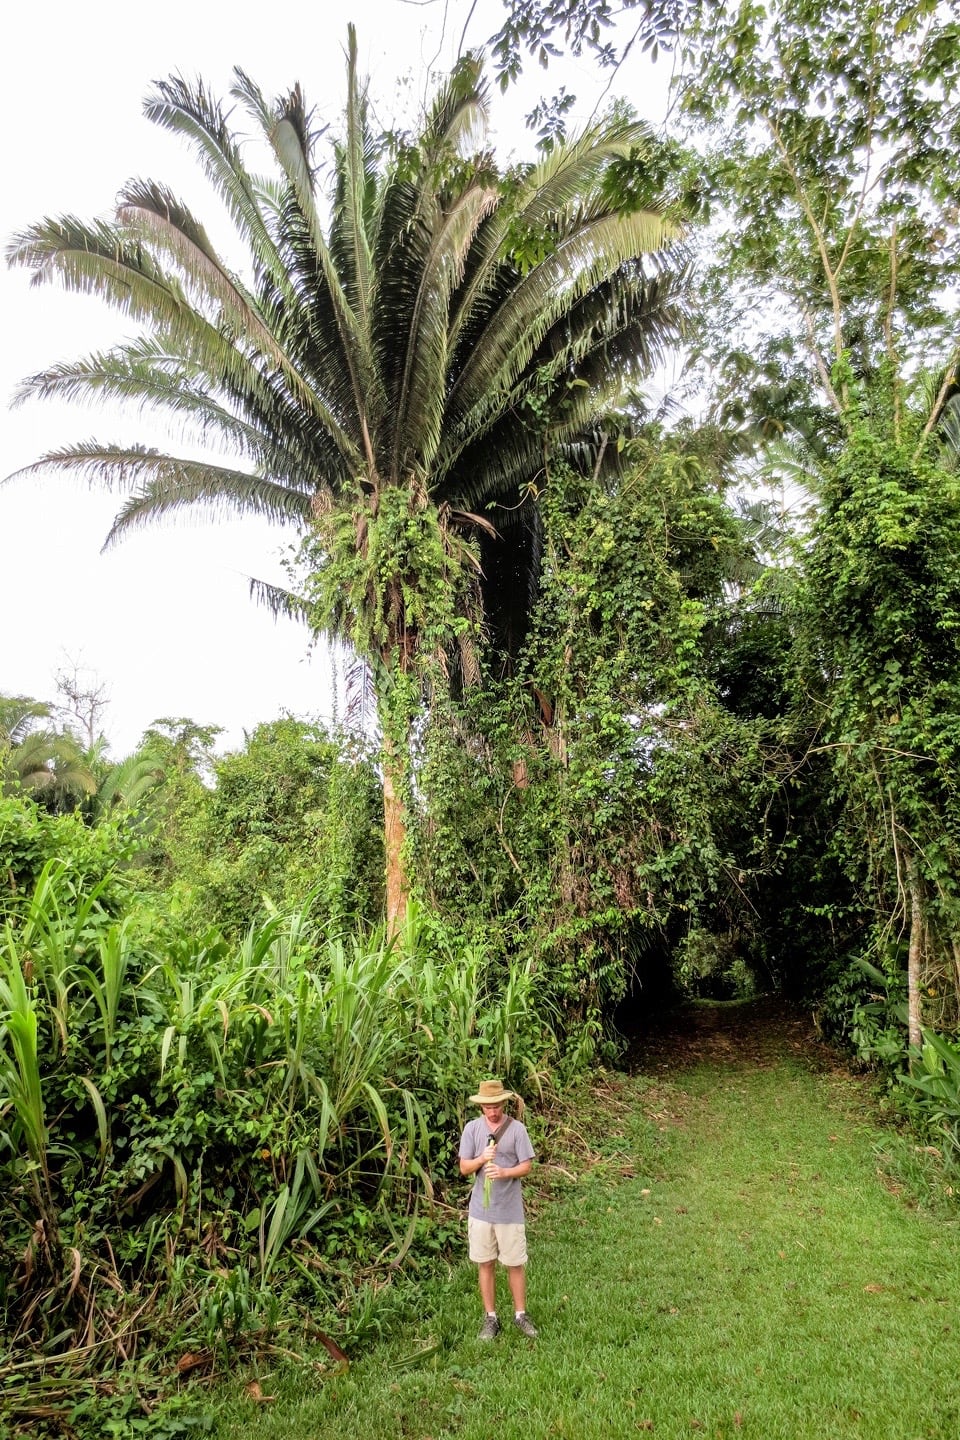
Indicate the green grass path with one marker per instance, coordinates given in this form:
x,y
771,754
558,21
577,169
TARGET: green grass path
x,y
727,1261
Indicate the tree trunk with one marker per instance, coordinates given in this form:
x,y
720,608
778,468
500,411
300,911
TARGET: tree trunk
x,y
394,839
914,956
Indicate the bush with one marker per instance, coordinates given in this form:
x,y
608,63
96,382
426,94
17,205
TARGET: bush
x,y
32,838
229,1127
296,812
932,1093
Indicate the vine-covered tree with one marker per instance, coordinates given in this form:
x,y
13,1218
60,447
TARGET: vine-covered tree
x,y
392,364
883,600
832,322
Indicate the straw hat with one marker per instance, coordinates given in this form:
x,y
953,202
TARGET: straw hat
x,y
491,1092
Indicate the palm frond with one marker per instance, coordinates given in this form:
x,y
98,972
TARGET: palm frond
x,y
169,484
177,485
126,784
155,217
281,603
288,136
457,120
190,111
580,263
360,710
551,199
421,401
18,717
99,259
356,183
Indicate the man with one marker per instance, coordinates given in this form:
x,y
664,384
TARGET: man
x,y
496,1150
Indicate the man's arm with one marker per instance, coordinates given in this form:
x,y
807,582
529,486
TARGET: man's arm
x,y
470,1167
510,1172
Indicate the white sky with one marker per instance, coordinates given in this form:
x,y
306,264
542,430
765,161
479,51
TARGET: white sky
x,y
164,618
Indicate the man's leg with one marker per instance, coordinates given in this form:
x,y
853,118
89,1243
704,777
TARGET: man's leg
x,y
487,1275
517,1276
518,1289
483,1253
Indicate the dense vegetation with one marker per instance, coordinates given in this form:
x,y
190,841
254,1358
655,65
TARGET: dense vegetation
x,y
642,730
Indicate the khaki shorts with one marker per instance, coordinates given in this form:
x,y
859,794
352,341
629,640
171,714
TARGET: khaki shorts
x,y
506,1243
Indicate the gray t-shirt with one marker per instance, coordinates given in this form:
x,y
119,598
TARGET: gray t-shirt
x,y
506,1196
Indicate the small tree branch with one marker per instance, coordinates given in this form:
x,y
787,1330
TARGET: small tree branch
x,y
822,370
888,329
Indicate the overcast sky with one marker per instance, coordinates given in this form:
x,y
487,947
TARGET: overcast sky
x,y
164,619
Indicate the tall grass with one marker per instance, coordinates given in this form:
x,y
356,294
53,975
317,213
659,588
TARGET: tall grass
x,y
20,1076
179,1108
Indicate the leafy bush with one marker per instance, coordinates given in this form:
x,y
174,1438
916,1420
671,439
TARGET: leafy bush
x,y
934,1087
207,1137
31,838
297,811
864,1009
709,966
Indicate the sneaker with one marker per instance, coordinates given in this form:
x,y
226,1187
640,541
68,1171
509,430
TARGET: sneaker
x,y
525,1325
490,1328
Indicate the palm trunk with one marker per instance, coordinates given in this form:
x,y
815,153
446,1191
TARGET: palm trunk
x,y
394,838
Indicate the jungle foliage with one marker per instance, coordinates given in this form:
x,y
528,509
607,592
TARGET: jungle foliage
x,y
668,701
206,1141
584,801
296,812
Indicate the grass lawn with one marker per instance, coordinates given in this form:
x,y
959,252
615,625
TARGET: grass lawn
x,y
728,1260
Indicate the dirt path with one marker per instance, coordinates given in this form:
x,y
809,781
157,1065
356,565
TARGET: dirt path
x,y
759,1032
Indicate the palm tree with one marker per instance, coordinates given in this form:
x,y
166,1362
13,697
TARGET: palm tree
x,y
406,345
42,762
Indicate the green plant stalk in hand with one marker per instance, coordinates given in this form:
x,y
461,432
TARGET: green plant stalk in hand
x,y
487,1181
